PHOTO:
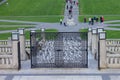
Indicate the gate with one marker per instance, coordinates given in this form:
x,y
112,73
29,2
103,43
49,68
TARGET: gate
x,y
59,50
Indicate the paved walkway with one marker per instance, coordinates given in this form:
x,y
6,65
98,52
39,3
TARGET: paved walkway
x,y
90,73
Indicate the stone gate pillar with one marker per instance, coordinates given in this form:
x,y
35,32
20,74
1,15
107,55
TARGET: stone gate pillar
x,y
94,42
102,57
22,44
89,39
15,51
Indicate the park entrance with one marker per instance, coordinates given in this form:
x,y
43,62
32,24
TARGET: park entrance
x,y
59,50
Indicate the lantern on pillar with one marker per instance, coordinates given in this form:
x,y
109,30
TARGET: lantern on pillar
x,y
102,35
100,30
15,36
94,31
21,31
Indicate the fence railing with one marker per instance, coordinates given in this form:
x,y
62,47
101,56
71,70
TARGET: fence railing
x,y
5,43
113,53
5,55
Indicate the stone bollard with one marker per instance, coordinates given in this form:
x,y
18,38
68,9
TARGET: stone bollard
x,y
15,50
22,44
89,39
102,56
94,42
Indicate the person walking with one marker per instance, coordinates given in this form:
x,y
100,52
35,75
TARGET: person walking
x,y
102,19
65,24
85,20
61,21
89,21
97,19
77,3
92,21
67,7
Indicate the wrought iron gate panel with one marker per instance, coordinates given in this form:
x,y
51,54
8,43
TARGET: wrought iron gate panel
x,y
59,50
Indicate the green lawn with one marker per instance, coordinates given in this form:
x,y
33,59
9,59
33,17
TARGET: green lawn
x,y
11,23
32,7
13,28
114,23
110,9
34,18
99,7
5,36
33,10
110,34
114,26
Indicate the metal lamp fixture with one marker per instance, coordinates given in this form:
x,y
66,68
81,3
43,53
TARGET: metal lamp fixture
x,y
21,31
94,31
89,29
99,30
102,35
15,36
42,29
32,31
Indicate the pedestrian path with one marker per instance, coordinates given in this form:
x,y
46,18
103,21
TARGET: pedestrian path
x,y
71,18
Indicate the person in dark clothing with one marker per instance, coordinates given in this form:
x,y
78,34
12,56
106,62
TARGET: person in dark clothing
x,y
71,7
70,11
96,19
92,21
67,7
85,20
100,19
74,2
65,24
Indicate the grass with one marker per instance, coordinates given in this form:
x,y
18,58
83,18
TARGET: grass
x,y
109,9
11,23
114,26
83,30
34,18
32,7
13,28
99,7
110,34
114,23
5,36
33,10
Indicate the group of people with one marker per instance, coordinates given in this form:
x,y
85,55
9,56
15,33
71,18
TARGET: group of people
x,y
69,7
94,19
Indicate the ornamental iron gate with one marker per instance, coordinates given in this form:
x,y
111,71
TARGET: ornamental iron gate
x,y
59,50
